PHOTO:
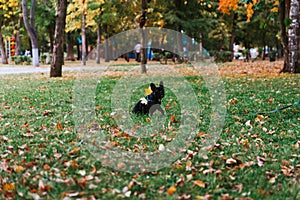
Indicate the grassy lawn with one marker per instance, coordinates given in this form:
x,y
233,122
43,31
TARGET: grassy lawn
x,y
257,156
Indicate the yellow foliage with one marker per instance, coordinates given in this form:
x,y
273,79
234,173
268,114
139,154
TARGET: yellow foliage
x,y
8,8
226,6
75,10
274,10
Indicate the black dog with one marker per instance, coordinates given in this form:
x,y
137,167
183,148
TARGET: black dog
x,y
151,102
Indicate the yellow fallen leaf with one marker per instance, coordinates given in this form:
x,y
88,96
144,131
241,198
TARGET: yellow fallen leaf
x,y
8,186
259,118
188,163
199,183
18,168
171,190
179,166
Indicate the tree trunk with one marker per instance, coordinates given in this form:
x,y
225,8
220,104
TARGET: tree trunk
x,y
232,37
17,37
51,38
58,48
143,52
83,36
70,48
293,37
2,48
31,30
143,38
98,43
106,45
284,14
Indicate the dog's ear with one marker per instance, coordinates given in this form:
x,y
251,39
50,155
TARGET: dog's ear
x,y
161,84
152,86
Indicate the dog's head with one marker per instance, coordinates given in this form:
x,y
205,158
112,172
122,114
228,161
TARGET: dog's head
x,y
157,93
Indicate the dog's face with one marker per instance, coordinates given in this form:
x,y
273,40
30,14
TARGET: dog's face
x,y
157,92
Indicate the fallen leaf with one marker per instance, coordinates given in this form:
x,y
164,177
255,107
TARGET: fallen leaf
x,y
287,170
8,186
189,177
226,197
59,126
74,151
248,123
98,107
46,112
188,166
34,196
46,167
233,101
121,165
272,179
82,172
127,194
230,161
161,147
18,168
27,134
199,183
172,119
259,118
206,197
238,188
271,100
171,190
260,161
184,196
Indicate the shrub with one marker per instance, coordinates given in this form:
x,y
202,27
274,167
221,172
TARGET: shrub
x,y
43,58
21,60
222,56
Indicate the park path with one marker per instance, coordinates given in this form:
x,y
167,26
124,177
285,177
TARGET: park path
x,y
23,70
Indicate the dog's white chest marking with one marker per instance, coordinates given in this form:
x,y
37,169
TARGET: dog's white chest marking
x,y
144,101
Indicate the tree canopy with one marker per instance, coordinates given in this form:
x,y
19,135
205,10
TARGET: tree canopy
x,y
216,24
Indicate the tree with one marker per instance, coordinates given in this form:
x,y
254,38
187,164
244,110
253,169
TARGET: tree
x,y
83,33
290,10
2,46
70,45
142,22
45,13
82,15
30,27
231,7
8,9
58,47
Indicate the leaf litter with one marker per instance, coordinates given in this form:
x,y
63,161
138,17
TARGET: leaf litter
x,y
255,157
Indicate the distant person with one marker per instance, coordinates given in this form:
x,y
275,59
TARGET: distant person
x,y
27,53
137,50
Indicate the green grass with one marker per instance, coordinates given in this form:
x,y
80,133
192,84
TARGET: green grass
x,y
42,154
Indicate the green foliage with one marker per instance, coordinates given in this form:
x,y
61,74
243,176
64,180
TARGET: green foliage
x,y
21,60
222,56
